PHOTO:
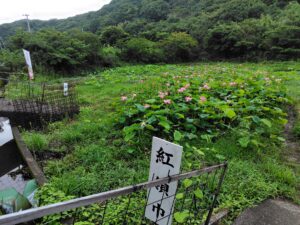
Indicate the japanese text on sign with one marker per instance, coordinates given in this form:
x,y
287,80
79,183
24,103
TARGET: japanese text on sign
x,y
165,161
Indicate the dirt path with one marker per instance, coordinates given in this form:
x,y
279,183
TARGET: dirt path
x,y
292,149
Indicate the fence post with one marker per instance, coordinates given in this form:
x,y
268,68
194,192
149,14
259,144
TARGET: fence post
x,y
216,195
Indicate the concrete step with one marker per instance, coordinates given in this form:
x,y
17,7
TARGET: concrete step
x,y
271,212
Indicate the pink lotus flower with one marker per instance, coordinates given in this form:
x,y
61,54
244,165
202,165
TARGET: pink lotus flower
x,y
232,84
181,89
188,99
146,106
168,101
206,87
203,99
187,86
162,94
124,98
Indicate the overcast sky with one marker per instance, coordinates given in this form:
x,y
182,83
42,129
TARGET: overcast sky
x,y
12,10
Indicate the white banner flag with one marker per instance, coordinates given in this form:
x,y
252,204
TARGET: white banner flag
x,y
28,63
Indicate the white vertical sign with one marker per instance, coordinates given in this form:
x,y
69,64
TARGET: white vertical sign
x,y
165,161
66,89
6,134
28,63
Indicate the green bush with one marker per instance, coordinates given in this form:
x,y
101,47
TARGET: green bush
x,y
11,60
179,47
110,56
223,40
142,50
112,34
54,50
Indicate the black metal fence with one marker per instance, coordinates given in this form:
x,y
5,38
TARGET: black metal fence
x,y
33,104
194,201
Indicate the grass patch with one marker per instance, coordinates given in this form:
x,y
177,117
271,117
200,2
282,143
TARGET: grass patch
x,y
36,141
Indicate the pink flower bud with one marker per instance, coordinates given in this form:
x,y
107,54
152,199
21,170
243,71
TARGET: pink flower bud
x,y
167,101
188,99
203,99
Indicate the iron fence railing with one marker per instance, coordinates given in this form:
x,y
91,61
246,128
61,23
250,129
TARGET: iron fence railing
x,y
196,197
32,104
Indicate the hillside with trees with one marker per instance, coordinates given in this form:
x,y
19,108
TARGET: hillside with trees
x,y
158,31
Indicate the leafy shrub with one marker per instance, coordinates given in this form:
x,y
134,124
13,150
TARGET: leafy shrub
x,y
283,42
110,56
224,40
112,34
57,51
11,60
142,50
179,47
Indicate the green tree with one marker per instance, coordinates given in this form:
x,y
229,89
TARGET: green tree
x,y
92,43
238,10
110,56
283,41
111,35
142,50
155,10
179,46
224,40
11,60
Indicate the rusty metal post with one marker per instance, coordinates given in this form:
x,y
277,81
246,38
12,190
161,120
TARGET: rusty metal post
x,y
216,194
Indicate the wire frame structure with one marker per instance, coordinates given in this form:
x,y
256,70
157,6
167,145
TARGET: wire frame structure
x,y
31,104
194,202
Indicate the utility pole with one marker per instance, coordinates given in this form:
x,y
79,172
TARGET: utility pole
x,y
2,45
28,22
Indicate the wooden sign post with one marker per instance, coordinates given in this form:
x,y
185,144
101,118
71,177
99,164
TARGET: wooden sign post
x,y
165,161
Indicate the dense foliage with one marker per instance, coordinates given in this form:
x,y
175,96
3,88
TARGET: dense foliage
x,y
188,104
161,31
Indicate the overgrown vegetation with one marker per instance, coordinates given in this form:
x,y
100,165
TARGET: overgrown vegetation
x,y
159,31
218,111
